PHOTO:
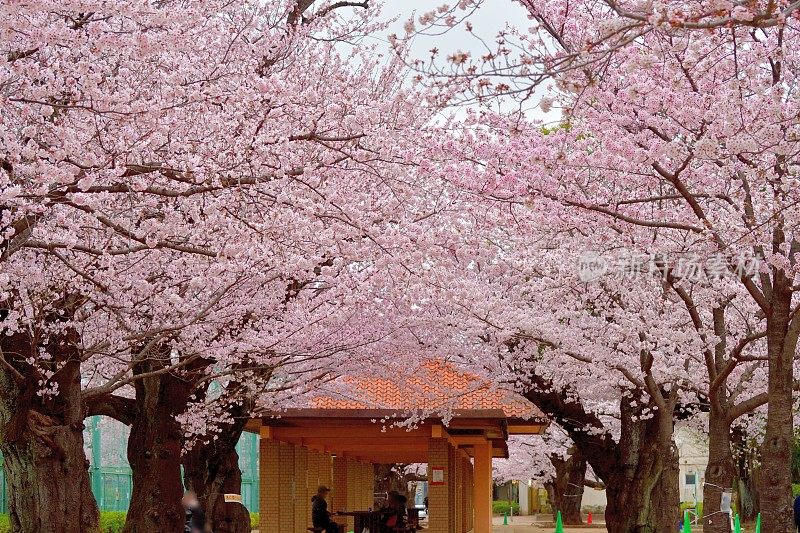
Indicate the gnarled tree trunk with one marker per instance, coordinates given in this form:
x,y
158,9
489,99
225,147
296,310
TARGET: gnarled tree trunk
x,y
640,472
566,489
154,450
720,473
747,475
42,441
211,469
642,485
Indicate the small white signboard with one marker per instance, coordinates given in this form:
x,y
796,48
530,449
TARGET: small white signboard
x,y
236,498
725,503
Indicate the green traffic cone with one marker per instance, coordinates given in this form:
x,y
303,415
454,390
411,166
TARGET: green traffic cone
x,y
758,523
737,526
687,525
559,524
505,519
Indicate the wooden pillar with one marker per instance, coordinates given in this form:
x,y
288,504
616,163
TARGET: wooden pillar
x,y
482,496
470,494
459,493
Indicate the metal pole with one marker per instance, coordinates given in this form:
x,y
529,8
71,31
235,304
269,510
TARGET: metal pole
x,y
96,472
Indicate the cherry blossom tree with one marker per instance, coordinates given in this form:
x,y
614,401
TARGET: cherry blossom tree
x,y
680,137
552,460
192,193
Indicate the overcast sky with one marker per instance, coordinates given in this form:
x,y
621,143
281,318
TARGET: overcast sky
x,y
492,17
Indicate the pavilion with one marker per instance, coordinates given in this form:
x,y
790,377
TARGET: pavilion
x,y
337,439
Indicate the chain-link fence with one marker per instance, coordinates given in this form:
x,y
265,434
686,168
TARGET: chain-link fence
x,y
106,442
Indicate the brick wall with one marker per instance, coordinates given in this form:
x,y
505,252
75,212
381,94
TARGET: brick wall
x,y
368,474
440,513
339,487
302,492
269,490
287,487
326,470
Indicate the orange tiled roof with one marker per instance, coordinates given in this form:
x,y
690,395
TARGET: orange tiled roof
x,y
436,385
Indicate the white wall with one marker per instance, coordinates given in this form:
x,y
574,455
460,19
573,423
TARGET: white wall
x,y
693,460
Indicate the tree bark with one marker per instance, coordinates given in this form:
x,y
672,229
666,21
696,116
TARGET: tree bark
x,y
211,469
566,489
49,490
642,487
640,472
154,450
720,473
776,475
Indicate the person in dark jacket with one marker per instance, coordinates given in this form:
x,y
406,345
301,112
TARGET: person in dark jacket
x,y
195,518
393,514
320,516
797,513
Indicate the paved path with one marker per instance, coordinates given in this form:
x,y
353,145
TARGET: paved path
x,y
533,529
524,524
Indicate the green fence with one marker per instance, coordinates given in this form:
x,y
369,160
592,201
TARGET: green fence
x,y
106,442
3,488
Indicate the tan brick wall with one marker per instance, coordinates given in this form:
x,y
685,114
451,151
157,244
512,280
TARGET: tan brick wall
x,y
369,485
326,470
339,488
314,462
286,491
440,516
269,473
302,494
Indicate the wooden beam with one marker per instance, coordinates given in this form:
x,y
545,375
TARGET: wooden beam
x,y
346,431
527,429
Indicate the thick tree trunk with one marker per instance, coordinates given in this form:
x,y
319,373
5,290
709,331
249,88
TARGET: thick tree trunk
x,y
42,443
720,473
566,489
211,469
776,476
154,451
642,490
640,472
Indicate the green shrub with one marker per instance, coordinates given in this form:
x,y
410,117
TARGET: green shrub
x,y
5,526
253,520
795,489
691,505
112,521
505,507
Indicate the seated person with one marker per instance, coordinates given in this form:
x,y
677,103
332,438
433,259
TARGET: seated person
x,y
320,517
393,513
195,519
